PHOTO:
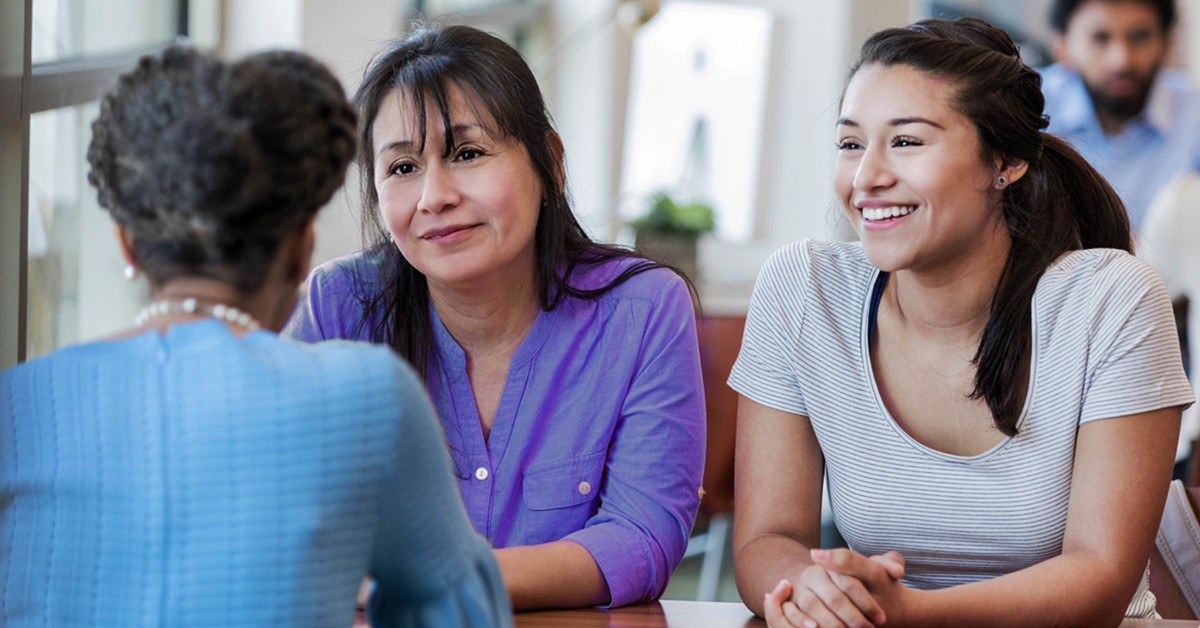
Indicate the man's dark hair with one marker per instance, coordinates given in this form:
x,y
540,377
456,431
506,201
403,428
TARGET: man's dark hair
x,y
1062,10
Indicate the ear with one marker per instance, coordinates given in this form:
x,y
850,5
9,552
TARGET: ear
x,y
1058,50
1011,169
125,243
556,151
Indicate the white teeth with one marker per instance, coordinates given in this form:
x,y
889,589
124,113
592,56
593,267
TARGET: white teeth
x,y
883,213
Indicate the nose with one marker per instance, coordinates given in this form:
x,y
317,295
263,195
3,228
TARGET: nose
x,y
873,170
440,191
1119,55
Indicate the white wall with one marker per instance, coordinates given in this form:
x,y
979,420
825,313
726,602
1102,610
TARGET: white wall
x,y
582,74
815,43
345,35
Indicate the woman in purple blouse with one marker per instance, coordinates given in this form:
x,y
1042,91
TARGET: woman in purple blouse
x,y
566,372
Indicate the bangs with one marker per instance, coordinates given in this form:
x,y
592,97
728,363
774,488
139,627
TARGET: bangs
x,y
425,81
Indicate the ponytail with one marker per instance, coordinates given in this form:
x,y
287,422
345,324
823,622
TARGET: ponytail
x,y
1061,204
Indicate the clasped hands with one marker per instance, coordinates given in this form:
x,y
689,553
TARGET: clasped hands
x,y
840,588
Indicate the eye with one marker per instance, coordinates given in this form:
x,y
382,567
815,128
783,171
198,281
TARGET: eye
x,y
1140,38
848,144
402,168
468,154
904,141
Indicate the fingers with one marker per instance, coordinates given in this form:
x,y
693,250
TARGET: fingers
x,y
872,571
819,598
774,611
892,562
861,598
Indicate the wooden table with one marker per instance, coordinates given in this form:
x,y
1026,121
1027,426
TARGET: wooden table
x,y
681,614
670,613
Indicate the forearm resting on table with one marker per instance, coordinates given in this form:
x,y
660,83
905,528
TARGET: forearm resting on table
x,y
763,561
1075,589
560,574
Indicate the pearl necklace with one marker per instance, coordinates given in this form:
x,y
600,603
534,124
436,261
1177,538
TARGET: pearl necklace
x,y
189,305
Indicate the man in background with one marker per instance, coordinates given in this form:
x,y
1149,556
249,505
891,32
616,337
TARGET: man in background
x,y
1109,95
1137,122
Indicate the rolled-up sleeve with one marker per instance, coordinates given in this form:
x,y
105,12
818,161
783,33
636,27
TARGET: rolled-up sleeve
x,y
655,463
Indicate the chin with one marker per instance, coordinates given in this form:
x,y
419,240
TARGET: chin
x,y
885,260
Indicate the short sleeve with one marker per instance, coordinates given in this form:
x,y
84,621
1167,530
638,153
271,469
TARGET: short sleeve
x,y
1134,364
765,370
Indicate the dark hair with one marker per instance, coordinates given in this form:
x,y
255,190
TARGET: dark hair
x,y
1061,204
424,67
1061,12
208,165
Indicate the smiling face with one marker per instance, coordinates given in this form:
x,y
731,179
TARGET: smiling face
x,y
1117,47
465,215
910,173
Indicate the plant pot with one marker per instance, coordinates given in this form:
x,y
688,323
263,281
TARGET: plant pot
x,y
669,248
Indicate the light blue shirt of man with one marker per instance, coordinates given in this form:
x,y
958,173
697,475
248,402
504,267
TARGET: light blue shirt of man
x,y
1149,151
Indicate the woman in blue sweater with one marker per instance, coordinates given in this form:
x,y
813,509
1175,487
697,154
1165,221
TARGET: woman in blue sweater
x,y
196,469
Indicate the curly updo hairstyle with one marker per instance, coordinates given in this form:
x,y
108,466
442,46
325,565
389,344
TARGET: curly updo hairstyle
x,y
1061,204
209,165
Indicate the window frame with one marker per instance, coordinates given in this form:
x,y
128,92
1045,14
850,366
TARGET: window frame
x,y
27,89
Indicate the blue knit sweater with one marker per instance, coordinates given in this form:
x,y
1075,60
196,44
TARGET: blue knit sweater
x,y
198,478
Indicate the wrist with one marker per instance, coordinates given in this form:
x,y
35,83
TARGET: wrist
x,y
912,608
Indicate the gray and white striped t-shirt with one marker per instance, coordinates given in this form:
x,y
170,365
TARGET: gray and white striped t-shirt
x,y
1105,346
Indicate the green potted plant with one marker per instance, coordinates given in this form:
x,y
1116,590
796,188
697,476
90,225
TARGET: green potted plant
x,y
668,231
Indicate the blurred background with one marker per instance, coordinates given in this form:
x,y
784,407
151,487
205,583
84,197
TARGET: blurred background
x,y
730,103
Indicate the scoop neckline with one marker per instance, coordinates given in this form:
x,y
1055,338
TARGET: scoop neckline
x,y
869,370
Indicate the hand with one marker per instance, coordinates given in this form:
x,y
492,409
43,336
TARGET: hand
x,y
822,598
880,575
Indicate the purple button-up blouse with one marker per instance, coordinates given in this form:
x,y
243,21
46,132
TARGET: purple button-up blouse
x,y
599,435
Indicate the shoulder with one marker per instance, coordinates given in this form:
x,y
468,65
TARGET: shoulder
x,y
349,367
647,285
1104,278
1067,101
1096,268
810,264
1175,82
1055,77
346,274
82,357
338,296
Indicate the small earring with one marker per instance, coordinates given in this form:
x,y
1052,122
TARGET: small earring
x,y
131,272
1001,182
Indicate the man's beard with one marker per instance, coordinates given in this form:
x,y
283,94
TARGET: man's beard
x,y
1121,107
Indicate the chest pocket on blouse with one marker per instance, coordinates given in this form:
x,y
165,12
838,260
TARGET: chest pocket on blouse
x,y
560,496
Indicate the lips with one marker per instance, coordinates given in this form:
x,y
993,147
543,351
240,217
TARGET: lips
x,y
886,212
443,232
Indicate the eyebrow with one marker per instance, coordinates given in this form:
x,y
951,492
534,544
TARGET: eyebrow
x,y
404,145
895,122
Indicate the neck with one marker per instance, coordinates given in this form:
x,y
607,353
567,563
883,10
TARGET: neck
x,y
487,319
1112,122
265,306
950,305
